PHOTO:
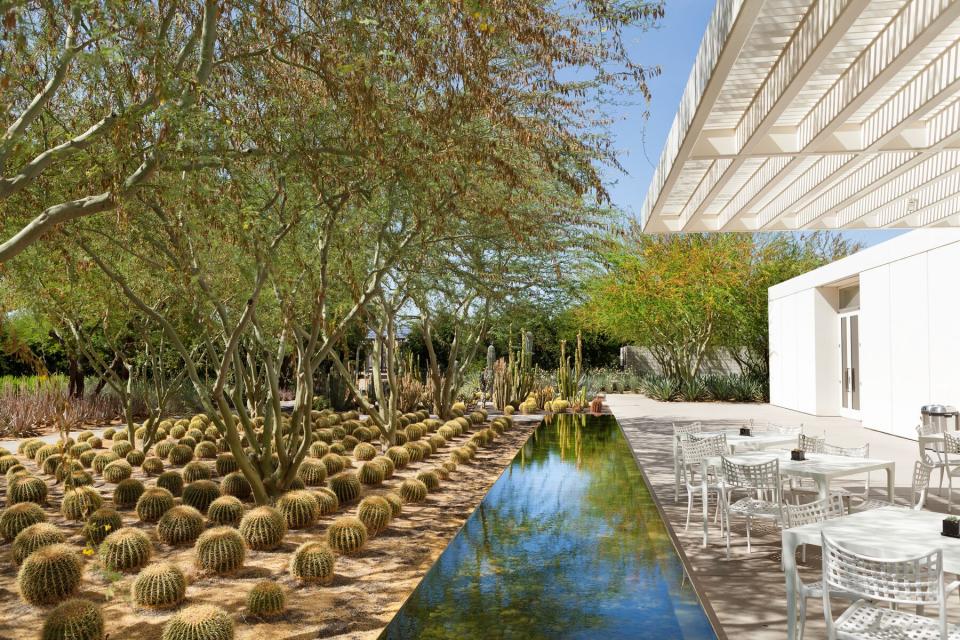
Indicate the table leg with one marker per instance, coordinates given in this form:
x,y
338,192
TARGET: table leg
x,y
823,488
704,496
789,557
890,487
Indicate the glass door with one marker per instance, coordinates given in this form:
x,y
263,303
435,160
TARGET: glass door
x,y
850,363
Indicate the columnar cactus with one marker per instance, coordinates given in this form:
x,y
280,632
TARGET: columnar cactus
x,y
299,508
225,510
100,523
74,619
33,537
80,502
127,493
266,600
413,491
375,513
172,481
18,517
27,489
263,528
49,575
371,473
327,501
200,494
126,549
154,502
347,535
196,470
220,550
199,622
180,525
312,562
347,487
160,586
235,484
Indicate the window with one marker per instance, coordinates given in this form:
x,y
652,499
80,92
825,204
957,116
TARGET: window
x,y
850,298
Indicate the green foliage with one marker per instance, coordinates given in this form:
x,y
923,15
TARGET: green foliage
x,y
153,503
18,517
161,585
33,537
49,575
266,600
73,619
125,549
220,550
263,528
312,562
199,622
180,525
347,535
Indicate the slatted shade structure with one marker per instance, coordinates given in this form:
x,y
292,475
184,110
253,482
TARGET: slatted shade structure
x,y
816,114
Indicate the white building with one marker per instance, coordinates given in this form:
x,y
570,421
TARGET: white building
x,y
873,336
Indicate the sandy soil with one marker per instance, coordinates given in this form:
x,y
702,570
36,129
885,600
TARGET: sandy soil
x,y
367,591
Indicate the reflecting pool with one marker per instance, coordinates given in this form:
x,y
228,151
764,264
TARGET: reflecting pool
x,y
568,543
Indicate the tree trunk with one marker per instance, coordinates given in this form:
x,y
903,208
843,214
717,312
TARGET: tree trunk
x,y
75,386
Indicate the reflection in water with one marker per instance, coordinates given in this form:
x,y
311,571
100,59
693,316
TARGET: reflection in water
x,y
567,544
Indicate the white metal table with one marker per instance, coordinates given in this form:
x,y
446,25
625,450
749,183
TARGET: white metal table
x,y
759,440
887,532
819,467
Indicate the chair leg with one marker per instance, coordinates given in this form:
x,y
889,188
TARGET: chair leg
x,y
689,508
803,617
748,534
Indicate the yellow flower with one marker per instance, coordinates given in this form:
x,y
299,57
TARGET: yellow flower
x,y
107,527
88,551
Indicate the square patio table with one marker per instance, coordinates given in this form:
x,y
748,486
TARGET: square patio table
x,y
887,532
760,440
819,467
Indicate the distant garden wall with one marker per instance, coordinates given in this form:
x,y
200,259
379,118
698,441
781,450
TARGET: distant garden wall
x,y
640,360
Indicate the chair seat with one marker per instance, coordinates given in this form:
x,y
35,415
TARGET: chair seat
x,y
865,621
755,507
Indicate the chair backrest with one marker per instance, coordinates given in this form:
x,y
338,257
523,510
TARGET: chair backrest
x,y
915,580
929,429
951,442
850,452
921,482
781,428
798,515
764,476
811,444
696,449
684,429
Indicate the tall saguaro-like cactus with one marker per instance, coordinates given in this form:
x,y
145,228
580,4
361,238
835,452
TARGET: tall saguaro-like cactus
x,y
570,382
514,377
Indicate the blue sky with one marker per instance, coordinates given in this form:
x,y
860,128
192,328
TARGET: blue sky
x,y
673,46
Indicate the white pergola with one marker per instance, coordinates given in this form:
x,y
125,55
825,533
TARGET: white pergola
x,y
816,114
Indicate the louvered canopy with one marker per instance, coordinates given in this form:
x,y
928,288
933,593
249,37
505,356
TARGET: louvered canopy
x,y
816,114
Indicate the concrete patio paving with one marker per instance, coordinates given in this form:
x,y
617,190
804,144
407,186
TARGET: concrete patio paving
x,y
747,592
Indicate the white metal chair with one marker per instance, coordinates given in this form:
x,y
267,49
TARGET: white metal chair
x,y
918,494
762,482
951,447
939,458
811,444
694,451
862,451
680,433
797,515
781,428
873,582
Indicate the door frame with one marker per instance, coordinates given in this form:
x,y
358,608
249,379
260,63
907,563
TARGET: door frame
x,y
846,412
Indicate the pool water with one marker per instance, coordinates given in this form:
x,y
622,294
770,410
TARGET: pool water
x,y
568,543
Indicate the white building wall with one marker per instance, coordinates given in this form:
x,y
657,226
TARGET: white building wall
x,y
909,332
